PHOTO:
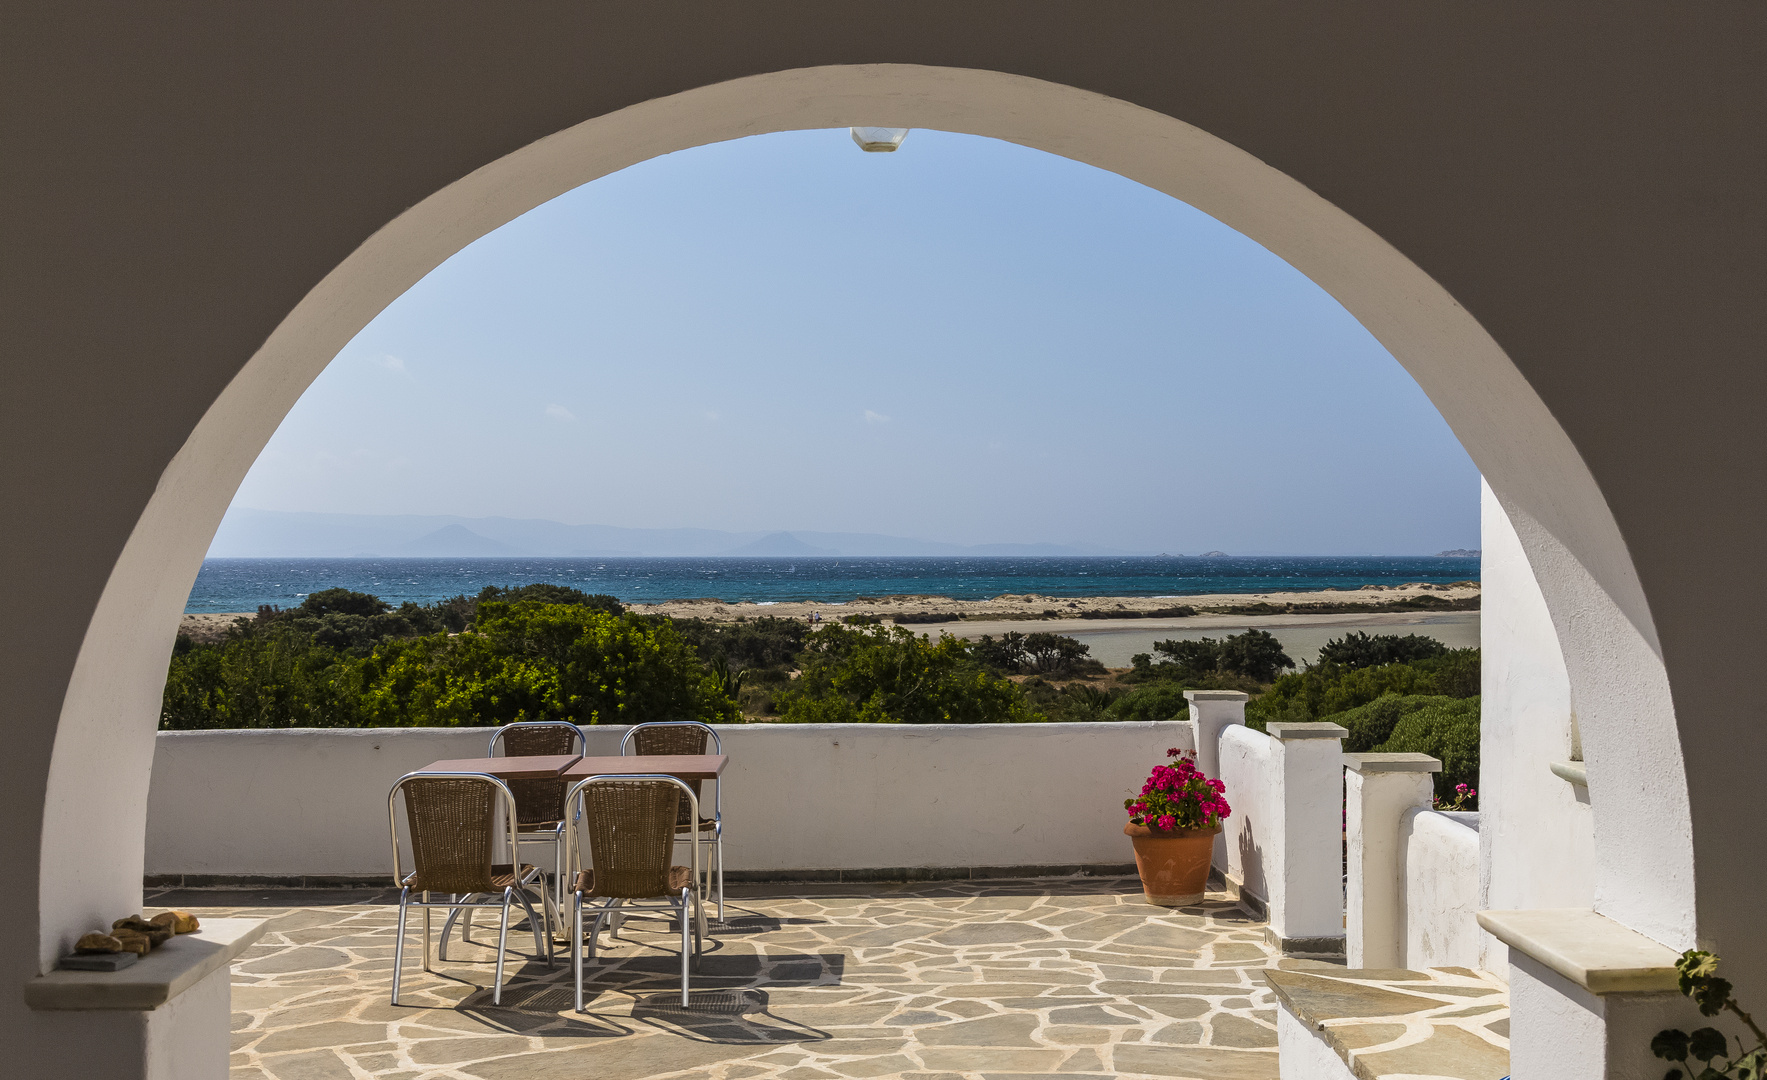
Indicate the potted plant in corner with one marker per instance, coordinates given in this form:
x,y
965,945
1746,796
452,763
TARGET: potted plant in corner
x,y
1173,824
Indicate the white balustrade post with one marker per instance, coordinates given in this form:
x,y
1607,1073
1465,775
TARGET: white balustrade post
x,y
1212,711
1378,790
1306,881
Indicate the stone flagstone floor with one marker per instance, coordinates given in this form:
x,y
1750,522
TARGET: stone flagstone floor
x,y
990,979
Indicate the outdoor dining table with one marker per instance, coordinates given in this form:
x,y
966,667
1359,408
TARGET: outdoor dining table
x,y
546,767
682,766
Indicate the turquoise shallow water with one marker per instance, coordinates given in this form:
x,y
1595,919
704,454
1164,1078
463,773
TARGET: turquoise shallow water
x,y
244,584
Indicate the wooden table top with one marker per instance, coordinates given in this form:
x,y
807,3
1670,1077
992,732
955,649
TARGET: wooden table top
x,y
684,766
546,767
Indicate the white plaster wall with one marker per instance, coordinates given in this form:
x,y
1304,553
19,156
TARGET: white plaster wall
x,y
1441,889
1248,769
313,801
1559,1030
1536,832
1302,1054
1374,902
1309,902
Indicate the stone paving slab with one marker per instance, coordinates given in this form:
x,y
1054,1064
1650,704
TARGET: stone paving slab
x,y
933,981
1447,1023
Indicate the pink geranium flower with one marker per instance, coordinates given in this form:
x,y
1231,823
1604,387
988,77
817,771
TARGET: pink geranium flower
x,y
1178,796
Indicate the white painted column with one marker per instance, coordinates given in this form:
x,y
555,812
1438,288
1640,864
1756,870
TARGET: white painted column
x,y
1378,790
1307,884
1212,712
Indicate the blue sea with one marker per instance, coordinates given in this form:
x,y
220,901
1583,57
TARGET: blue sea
x,y
244,584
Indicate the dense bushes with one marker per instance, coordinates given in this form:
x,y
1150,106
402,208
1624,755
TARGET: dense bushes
x,y
523,661
1449,732
1446,728
1041,653
273,679
1255,655
546,652
1395,695
1319,692
893,675
1358,650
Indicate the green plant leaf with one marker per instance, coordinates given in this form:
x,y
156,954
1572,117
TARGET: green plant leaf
x,y
1707,1043
1670,1045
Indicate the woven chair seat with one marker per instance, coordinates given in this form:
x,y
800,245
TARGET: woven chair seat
x,y
706,824
680,877
539,826
504,875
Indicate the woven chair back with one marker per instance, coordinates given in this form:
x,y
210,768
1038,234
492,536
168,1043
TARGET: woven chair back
x,y
631,825
539,802
452,824
668,741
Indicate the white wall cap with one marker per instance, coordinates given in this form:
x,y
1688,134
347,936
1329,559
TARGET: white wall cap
x,y
1591,950
1216,695
1391,763
153,980
1306,731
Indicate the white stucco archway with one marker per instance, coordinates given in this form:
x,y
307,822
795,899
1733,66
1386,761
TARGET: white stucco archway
x,y
104,741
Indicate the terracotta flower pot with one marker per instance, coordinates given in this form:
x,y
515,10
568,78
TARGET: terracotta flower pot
x,y
1174,866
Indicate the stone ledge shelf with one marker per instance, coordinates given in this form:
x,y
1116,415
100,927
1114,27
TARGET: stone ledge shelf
x,y
155,979
1286,731
1591,950
1391,763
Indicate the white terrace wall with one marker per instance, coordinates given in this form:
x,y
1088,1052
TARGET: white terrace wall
x,y
1441,853
312,802
1413,873
1536,830
1284,839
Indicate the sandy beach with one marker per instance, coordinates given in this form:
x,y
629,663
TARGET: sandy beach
x,y
1116,627
1030,606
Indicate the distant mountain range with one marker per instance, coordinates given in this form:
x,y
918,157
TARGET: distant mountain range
x,y
269,534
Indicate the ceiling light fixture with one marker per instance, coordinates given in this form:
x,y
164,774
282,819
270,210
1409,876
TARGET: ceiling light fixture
x,y
878,140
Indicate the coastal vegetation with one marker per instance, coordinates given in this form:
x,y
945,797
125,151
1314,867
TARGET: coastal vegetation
x,y
548,652
348,660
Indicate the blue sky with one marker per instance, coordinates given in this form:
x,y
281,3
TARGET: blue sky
x,y
965,341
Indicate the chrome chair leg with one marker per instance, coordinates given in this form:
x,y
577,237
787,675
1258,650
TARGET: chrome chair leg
x,y
542,929
502,946
686,933
425,898
577,946
399,943
448,924
718,854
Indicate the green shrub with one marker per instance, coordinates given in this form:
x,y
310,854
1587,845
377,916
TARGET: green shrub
x,y
1447,731
1155,701
544,593
1319,692
271,680
1372,724
766,642
1255,655
525,661
1359,650
891,675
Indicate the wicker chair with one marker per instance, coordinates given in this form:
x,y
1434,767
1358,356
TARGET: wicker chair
x,y
631,825
539,804
452,818
688,737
